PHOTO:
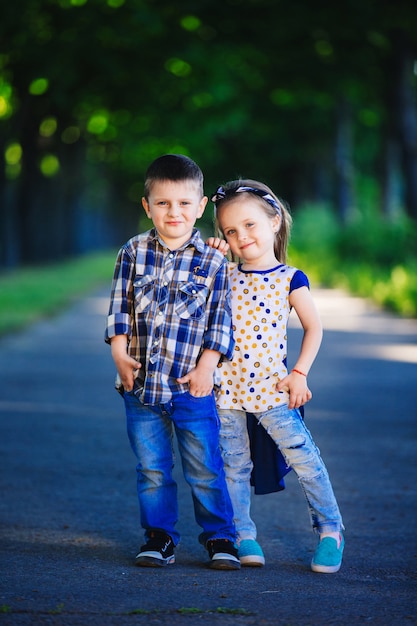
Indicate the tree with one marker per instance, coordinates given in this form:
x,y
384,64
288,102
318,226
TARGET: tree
x,y
297,94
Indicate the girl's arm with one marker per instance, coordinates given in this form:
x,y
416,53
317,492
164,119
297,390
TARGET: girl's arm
x,y
296,383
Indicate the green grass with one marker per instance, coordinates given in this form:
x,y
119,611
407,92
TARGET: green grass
x,y
194,611
30,294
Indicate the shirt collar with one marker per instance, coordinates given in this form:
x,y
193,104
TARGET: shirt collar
x,y
195,240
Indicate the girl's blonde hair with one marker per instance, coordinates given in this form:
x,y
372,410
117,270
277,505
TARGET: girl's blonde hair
x,y
267,200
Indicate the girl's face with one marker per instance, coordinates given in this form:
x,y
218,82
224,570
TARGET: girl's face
x,y
249,231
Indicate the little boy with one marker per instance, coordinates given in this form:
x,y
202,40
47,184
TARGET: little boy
x,y
169,323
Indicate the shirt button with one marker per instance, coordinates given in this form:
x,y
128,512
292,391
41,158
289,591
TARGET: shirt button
x,y
160,313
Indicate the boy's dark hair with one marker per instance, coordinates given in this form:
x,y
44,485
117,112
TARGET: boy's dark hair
x,y
173,167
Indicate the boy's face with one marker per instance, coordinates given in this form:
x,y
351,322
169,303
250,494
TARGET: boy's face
x,y
174,207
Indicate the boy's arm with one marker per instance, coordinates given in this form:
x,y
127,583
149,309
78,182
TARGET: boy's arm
x,y
296,383
218,335
200,379
121,309
218,338
126,366
119,319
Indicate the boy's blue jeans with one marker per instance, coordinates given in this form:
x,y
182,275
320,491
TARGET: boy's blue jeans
x,y
288,430
196,423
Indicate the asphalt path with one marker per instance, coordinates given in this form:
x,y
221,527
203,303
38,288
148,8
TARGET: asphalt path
x,y
68,510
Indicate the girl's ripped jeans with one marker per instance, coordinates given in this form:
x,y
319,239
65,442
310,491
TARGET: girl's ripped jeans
x,y
289,432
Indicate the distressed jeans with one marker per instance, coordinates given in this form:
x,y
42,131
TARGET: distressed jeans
x,y
289,432
196,425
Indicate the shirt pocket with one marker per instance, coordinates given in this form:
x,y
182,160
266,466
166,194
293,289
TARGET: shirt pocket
x,y
144,290
191,301
275,308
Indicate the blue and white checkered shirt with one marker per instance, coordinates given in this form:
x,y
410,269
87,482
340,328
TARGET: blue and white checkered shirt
x,y
171,305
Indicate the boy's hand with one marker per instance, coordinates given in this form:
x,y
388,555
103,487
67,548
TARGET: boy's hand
x,y
126,366
201,378
296,386
200,383
128,370
219,244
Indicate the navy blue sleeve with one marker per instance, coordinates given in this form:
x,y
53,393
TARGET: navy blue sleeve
x,y
299,280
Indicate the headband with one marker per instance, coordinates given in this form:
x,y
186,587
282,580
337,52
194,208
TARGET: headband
x,y
221,194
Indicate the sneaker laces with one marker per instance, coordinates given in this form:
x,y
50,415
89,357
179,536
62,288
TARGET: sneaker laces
x,y
157,541
215,546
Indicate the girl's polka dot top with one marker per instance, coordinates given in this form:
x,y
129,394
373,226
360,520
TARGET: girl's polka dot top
x,y
260,309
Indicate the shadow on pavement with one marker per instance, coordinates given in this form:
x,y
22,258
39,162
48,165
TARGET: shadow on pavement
x,y
69,522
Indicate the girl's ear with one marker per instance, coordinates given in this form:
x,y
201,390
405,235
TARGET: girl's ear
x,y
276,223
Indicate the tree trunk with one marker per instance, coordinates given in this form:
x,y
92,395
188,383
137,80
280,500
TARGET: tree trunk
x,y
405,115
344,161
391,183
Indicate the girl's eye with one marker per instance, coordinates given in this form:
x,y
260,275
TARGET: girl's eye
x,y
228,233
249,224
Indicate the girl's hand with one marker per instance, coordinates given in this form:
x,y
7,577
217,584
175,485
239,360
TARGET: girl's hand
x,y
296,386
219,244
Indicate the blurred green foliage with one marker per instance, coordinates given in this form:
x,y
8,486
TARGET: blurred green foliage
x,y
318,100
91,91
369,257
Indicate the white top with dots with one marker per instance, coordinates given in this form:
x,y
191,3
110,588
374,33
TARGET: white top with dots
x,y
260,309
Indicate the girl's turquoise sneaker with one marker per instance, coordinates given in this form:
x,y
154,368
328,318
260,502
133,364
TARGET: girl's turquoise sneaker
x,y
327,558
250,553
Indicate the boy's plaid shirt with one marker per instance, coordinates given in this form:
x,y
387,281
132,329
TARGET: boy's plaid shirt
x,y
171,305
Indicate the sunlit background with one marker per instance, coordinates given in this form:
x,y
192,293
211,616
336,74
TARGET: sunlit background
x,y
318,100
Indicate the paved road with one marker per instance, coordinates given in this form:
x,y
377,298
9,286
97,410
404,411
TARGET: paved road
x,y
68,506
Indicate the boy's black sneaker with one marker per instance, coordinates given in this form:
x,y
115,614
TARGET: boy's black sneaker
x,y
223,554
157,552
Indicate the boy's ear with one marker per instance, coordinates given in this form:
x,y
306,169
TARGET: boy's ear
x,y
202,206
146,207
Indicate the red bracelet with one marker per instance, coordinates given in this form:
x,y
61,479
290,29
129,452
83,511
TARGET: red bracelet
x,y
299,372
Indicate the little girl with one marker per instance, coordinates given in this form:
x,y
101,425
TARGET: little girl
x,y
256,225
